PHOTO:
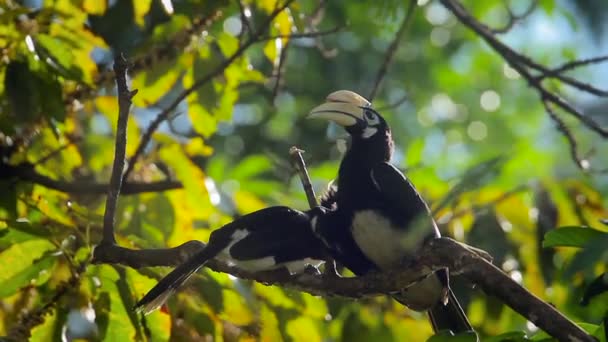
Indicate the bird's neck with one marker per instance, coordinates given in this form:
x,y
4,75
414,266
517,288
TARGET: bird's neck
x,y
371,151
361,157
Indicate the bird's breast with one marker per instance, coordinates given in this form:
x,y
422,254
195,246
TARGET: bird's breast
x,y
380,240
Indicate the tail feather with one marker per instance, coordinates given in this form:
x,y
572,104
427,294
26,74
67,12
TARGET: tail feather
x,y
172,281
449,316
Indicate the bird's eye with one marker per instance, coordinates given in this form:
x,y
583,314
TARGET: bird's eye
x,y
371,117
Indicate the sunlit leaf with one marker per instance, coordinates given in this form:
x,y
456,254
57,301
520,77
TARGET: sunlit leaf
x,y
94,6
19,265
141,9
118,322
303,329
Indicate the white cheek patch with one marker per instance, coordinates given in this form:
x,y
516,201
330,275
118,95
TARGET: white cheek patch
x,y
369,131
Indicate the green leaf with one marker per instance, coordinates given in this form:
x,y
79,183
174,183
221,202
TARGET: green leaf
x,y
36,274
119,325
20,85
251,166
53,49
571,237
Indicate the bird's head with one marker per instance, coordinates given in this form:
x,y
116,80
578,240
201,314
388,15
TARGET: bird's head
x,y
353,112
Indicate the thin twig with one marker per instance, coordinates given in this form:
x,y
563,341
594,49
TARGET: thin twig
x,y
403,99
165,52
52,154
514,18
279,72
298,162
244,20
561,126
313,34
521,63
124,105
162,116
573,65
392,48
22,330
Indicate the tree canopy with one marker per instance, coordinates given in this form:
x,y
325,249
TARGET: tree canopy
x,y
497,109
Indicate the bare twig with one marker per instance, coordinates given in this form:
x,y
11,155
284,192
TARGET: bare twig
x,y
481,206
298,162
313,34
278,73
525,66
392,48
162,116
124,105
514,18
403,99
52,154
22,330
573,65
247,29
167,51
561,126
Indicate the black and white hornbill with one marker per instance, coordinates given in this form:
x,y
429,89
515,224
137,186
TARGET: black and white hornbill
x,y
268,239
378,219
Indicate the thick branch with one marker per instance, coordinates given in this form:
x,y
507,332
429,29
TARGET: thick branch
x,y
438,253
124,105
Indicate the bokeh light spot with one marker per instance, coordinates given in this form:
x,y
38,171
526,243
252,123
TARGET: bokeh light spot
x,y
477,130
489,100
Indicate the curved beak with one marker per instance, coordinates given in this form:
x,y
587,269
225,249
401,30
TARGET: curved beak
x,y
343,107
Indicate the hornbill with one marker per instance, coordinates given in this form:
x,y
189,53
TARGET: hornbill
x,y
377,218
268,239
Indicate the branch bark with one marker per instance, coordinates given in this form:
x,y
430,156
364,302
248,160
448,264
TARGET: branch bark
x,y
529,70
438,253
124,105
25,172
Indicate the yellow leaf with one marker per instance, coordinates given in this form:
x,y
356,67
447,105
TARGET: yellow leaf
x,y
270,326
192,177
197,147
271,50
154,83
235,309
95,7
141,8
303,329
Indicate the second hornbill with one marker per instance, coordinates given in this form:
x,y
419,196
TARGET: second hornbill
x,y
378,219
268,239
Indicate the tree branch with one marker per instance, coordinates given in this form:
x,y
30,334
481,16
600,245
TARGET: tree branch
x,y
300,166
27,173
392,48
514,18
525,66
437,254
124,105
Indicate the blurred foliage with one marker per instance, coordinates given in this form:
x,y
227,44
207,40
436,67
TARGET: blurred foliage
x,y
472,136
